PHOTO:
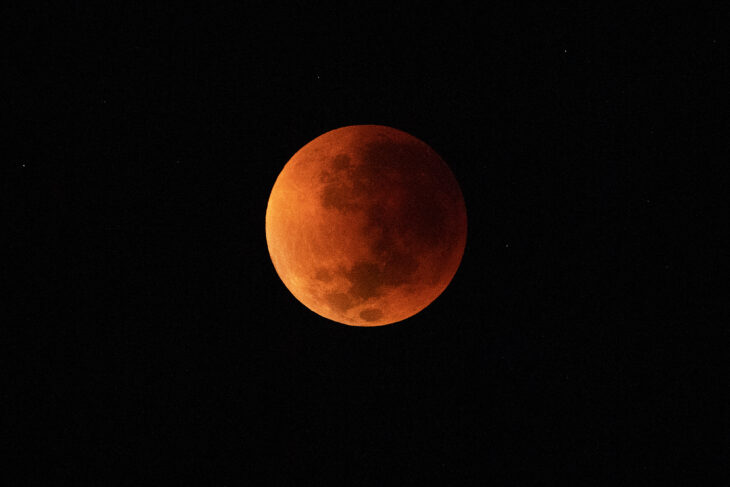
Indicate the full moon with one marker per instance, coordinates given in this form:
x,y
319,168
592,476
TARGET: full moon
x,y
366,225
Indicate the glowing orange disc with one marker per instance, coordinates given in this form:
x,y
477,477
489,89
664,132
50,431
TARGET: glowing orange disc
x,y
366,225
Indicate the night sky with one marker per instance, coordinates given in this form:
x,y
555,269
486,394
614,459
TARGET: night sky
x,y
157,344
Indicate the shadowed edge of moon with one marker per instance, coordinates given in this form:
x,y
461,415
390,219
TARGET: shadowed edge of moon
x,y
349,186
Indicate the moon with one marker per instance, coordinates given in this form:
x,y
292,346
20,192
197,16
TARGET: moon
x,y
366,225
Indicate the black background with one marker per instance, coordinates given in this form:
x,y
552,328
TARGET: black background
x,y
144,142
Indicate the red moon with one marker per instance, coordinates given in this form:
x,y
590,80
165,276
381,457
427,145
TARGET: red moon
x,y
366,225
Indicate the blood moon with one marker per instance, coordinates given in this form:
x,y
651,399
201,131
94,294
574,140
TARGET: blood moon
x,y
366,225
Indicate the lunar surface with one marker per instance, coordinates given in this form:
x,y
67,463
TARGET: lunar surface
x,y
366,225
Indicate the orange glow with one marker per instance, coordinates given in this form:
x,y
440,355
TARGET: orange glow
x,y
366,225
